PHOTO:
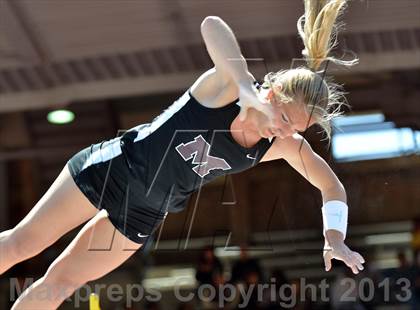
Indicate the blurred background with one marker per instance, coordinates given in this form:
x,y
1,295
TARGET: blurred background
x,y
111,65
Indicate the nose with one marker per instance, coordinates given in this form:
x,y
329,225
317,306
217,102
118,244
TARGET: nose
x,y
283,131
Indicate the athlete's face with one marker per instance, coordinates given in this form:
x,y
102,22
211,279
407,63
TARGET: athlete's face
x,y
289,118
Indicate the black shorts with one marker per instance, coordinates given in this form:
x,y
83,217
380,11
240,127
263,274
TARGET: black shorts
x,y
103,175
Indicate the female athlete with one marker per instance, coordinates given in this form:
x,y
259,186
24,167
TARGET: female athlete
x,y
225,123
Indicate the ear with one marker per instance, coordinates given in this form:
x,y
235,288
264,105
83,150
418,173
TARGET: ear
x,y
271,94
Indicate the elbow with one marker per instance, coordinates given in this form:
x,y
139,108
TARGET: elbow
x,y
335,192
210,21
340,187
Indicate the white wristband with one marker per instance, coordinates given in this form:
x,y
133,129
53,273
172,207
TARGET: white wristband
x,y
334,216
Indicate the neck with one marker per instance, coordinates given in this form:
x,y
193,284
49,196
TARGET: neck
x,y
247,131
248,126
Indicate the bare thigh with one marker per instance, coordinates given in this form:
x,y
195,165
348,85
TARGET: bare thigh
x,y
96,250
62,208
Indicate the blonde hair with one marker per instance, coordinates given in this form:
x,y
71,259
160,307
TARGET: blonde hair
x,y
318,30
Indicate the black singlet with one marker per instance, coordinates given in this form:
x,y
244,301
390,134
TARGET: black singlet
x,y
153,168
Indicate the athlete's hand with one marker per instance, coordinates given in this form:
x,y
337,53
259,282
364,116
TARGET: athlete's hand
x,y
249,99
342,252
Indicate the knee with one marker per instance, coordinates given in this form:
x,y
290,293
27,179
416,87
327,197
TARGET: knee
x,y
62,281
8,244
59,287
25,246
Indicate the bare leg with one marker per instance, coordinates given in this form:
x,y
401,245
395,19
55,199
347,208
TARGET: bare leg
x,y
78,264
62,208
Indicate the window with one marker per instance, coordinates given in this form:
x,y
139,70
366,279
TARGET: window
x,y
368,136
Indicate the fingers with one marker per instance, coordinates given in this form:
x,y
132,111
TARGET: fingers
x,y
354,269
359,266
359,257
327,259
359,260
355,261
348,260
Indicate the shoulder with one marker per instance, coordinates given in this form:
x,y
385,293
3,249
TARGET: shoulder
x,y
288,148
213,89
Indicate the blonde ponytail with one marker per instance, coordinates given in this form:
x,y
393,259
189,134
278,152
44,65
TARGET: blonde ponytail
x,y
318,30
323,98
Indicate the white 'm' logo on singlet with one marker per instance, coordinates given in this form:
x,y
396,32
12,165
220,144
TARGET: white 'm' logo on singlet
x,y
198,150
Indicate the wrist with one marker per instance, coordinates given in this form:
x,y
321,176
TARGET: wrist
x,y
334,238
334,246
334,216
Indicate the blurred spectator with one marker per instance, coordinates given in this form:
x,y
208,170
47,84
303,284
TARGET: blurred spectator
x,y
415,243
273,301
185,306
403,262
251,280
407,271
303,301
152,305
416,286
373,275
247,273
245,267
208,265
340,290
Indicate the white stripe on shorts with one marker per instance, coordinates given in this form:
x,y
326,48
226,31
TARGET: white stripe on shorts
x,y
110,149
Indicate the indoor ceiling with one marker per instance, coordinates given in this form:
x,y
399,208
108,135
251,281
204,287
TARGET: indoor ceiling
x,y
57,52
118,63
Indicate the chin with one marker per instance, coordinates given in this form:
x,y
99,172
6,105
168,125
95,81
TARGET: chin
x,y
281,137
262,134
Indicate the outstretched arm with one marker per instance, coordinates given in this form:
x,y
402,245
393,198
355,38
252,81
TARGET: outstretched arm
x,y
318,173
224,51
230,67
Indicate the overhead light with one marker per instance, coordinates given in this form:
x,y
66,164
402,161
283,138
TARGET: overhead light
x,y
232,251
375,144
393,238
368,136
164,280
359,119
60,117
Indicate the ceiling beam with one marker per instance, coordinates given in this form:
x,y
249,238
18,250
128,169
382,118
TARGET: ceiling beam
x,y
155,84
23,34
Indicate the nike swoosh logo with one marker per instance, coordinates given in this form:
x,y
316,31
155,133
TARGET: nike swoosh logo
x,y
142,236
250,157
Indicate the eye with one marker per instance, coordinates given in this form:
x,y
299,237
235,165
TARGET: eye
x,y
285,119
